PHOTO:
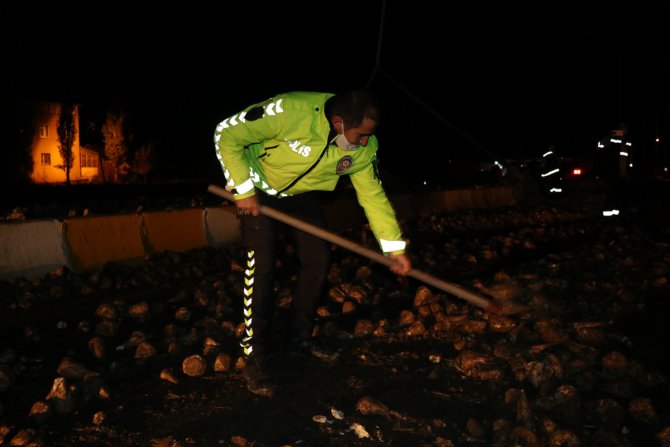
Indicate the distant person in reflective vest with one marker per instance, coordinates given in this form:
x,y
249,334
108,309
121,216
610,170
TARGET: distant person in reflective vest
x,y
550,172
613,165
278,152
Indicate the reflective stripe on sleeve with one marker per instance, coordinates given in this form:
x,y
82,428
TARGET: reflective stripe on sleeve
x,y
391,245
246,186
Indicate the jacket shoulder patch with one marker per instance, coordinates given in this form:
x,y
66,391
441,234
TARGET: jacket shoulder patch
x,y
344,163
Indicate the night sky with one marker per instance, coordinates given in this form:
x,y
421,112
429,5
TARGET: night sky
x,y
473,82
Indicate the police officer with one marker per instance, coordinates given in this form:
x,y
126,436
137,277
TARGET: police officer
x,y
614,165
550,172
278,152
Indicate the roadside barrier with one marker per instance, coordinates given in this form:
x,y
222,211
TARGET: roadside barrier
x,y
30,249
92,241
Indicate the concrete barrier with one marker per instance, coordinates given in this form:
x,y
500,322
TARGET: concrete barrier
x,y
31,248
178,230
413,205
92,241
450,201
222,226
511,195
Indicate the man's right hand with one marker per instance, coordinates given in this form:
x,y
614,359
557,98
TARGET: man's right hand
x,y
248,205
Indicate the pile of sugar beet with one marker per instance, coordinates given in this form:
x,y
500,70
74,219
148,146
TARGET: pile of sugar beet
x,y
148,353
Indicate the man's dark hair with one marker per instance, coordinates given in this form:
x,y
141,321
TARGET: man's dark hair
x,y
354,106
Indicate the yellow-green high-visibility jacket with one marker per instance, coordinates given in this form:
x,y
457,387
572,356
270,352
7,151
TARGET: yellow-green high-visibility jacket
x,y
281,147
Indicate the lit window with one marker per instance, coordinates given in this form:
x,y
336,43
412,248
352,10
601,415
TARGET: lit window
x,y
44,131
45,158
88,160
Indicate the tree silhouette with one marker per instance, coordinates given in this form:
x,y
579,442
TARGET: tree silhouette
x,y
114,135
143,161
67,134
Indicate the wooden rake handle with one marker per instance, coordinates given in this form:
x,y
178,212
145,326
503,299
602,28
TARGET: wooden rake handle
x,y
453,289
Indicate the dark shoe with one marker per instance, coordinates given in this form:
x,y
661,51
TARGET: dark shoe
x,y
312,347
257,378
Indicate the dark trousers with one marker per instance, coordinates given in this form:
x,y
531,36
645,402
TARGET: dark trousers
x,y
259,235
616,192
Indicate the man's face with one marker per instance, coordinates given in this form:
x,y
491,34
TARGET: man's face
x,y
361,134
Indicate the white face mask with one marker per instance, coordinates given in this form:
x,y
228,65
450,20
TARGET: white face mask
x,y
342,142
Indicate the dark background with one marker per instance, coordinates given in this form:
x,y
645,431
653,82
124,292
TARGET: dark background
x,y
461,84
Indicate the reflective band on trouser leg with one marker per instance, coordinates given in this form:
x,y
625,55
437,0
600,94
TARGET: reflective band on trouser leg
x,y
246,343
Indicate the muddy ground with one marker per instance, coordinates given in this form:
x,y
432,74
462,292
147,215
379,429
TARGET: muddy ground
x,y
581,359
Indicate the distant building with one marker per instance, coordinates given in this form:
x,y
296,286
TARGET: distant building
x,y
47,161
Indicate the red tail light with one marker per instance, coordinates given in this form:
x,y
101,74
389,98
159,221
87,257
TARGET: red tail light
x,y
577,171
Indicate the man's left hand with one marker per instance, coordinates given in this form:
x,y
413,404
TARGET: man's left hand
x,y
401,264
